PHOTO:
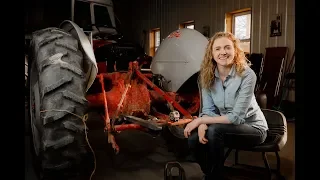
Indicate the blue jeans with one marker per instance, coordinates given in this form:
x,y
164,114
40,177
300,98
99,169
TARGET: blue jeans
x,y
210,156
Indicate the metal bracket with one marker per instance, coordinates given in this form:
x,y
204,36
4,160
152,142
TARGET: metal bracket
x,y
145,123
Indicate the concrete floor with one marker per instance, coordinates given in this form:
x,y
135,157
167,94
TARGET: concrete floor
x,y
135,163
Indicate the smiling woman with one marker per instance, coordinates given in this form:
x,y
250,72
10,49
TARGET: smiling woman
x,y
230,115
223,52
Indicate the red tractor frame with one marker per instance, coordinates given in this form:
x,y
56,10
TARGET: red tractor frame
x,y
130,95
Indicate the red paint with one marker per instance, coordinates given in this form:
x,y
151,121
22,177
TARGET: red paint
x,y
175,34
158,90
99,43
127,93
123,127
138,98
107,119
102,67
136,102
117,98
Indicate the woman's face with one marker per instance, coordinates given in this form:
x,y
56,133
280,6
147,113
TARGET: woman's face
x,y
223,51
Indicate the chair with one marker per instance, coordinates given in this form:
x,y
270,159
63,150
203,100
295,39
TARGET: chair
x,y
275,141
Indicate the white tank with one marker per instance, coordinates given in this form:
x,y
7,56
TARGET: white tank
x,y
179,56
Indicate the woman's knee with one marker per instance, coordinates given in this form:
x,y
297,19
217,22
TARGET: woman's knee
x,y
215,130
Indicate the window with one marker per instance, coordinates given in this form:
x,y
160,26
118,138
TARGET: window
x,y
241,28
239,23
157,39
188,24
154,41
191,26
82,15
101,16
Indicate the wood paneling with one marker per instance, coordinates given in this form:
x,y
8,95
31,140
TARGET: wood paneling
x,y
168,14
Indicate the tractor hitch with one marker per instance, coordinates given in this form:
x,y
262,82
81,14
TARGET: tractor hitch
x,y
127,95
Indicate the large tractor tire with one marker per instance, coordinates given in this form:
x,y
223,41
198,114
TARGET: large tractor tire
x,y
57,105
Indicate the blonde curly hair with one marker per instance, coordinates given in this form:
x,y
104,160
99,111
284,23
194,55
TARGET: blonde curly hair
x,y
208,64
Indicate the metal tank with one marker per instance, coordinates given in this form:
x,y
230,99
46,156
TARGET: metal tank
x,y
179,57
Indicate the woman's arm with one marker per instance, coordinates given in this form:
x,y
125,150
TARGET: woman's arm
x,y
212,120
236,116
208,108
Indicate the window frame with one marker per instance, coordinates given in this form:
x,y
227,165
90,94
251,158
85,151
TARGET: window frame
x,y
152,41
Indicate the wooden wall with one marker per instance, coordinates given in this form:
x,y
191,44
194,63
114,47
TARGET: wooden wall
x,y
168,14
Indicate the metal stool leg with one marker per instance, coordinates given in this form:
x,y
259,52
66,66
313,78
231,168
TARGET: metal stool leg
x,y
278,161
279,175
264,156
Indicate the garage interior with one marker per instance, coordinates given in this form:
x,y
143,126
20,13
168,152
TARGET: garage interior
x,y
266,29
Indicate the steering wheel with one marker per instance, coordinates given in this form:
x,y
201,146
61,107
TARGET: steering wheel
x,y
104,35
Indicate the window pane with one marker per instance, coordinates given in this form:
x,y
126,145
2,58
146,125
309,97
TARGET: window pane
x,y
157,38
242,26
82,16
190,26
102,17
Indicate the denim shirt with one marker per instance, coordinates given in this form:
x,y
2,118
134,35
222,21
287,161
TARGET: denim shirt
x,y
234,98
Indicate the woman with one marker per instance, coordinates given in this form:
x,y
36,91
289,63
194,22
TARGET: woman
x,y
230,114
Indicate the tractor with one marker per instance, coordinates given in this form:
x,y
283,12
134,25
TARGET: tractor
x,y
73,71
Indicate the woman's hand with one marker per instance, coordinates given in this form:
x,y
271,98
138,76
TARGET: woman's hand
x,y
202,132
191,126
